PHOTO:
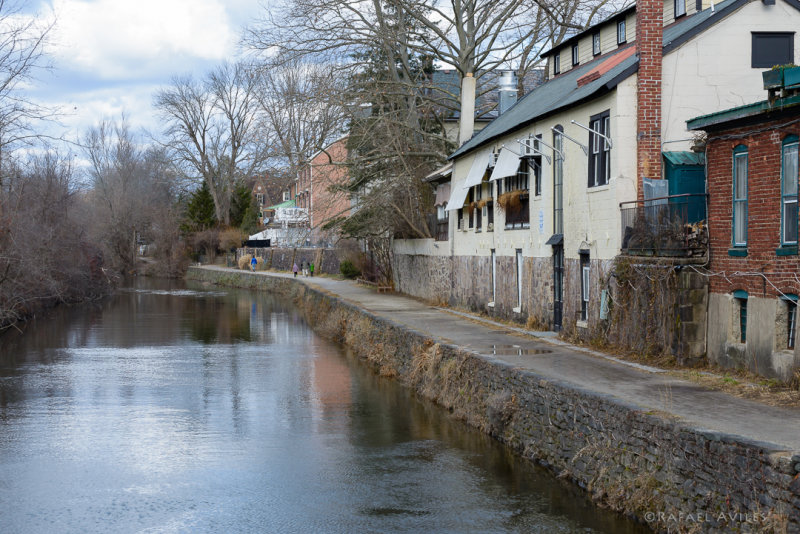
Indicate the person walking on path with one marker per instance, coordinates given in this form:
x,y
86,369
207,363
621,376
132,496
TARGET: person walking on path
x,y
253,263
303,268
311,269
294,269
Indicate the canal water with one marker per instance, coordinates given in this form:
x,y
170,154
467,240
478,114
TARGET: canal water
x,y
181,408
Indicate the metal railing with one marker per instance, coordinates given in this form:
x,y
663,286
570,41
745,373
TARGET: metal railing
x,y
665,226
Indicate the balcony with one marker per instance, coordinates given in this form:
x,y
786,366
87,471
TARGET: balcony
x,y
439,227
671,226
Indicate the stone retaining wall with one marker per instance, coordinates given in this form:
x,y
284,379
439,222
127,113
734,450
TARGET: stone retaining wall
x,y
326,260
675,477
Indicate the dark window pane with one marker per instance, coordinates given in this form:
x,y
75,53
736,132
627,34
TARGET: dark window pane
x,y
772,48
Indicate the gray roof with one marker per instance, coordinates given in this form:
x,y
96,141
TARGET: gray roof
x,y
562,91
548,98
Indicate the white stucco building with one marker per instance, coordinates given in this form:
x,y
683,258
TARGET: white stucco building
x,y
535,225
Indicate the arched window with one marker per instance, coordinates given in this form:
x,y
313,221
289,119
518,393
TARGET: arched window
x,y
789,181
558,180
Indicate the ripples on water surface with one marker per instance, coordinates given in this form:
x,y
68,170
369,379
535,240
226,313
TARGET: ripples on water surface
x,y
191,409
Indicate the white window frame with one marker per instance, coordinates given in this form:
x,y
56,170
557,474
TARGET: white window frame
x,y
789,149
679,8
740,164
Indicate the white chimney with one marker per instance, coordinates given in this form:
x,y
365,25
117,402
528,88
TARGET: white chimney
x,y
507,90
466,125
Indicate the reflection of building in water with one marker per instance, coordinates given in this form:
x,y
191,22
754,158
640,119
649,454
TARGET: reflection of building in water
x,y
331,384
258,331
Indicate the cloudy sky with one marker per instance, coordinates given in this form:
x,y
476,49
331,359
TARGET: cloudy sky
x,y
109,56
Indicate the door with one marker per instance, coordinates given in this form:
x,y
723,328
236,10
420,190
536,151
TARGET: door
x,y
558,286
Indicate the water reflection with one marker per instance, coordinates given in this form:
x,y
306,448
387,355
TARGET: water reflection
x,y
188,409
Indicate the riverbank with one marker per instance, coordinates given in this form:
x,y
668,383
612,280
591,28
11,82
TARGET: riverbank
x,y
668,452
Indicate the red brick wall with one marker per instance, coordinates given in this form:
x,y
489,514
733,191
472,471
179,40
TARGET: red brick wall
x,y
328,172
649,29
764,212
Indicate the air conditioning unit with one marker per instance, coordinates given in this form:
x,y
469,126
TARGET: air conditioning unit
x,y
493,159
526,148
530,147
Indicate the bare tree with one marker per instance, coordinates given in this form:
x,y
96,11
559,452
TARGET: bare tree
x,y
132,194
301,105
213,129
46,256
22,41
472,36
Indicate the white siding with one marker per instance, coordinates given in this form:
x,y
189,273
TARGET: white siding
x,y
712,72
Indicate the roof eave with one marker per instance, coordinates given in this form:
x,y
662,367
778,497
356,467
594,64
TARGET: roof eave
x,y
620,14
720,119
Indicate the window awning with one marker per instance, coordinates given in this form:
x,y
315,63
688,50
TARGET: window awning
x,y
440,173
555,239
442,194
507,165
478,169
458,194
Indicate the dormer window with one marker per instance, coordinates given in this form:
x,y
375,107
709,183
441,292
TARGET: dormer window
x,y
680,8
575,58
557,63
621,38
596,44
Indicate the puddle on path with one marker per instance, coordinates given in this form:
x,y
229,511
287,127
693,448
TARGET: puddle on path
x,y
514,350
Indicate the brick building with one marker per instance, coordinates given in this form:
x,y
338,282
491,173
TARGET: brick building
x,y
752,162
319,189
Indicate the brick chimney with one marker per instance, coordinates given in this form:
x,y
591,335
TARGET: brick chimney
x,y
649,30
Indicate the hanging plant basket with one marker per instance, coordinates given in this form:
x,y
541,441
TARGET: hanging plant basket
x,y
482,202
510,201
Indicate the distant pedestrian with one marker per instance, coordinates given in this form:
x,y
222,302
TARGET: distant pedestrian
x,y
304,269
253,263
311,269
294,269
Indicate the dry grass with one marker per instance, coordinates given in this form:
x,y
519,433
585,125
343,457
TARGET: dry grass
x,y
744,385
244,262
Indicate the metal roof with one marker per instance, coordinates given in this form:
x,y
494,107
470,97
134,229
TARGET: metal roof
x,y
560,92
286,204
563,91
742,112
684,158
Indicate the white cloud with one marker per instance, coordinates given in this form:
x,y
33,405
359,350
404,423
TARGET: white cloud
x,y
127,39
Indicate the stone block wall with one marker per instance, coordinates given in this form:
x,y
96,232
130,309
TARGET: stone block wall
x,y
667,473
466,282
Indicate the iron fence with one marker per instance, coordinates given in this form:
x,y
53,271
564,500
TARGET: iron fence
x,y
665,226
